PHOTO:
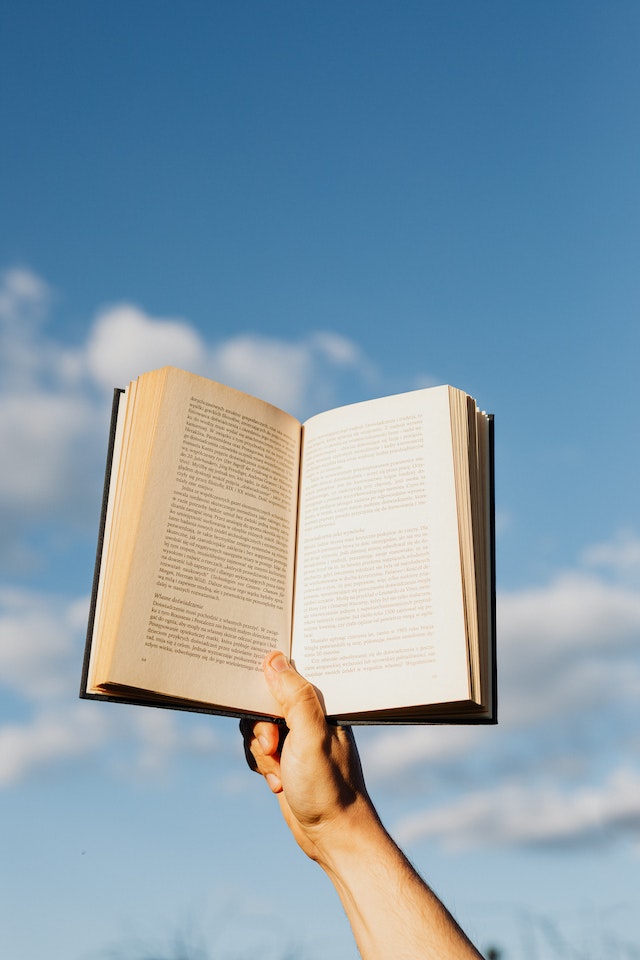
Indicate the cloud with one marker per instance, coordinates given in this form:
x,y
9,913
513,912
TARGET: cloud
x,y
55,397
40,643
621,556
575,610
340,350
298,376
569,685
24,301
274,370
43,434
48,422
564,643
125,342
532,814
54,410
52,736
565,648
65,731
392,752
568,649
24,297
161,736
53,447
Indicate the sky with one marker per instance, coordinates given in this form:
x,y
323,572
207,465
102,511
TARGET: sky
x,y
320,204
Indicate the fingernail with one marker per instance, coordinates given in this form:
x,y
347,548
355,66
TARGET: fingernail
x,y
273,781
279,663
264,743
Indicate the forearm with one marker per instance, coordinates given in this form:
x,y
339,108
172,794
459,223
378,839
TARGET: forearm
x,y
392,912
317,778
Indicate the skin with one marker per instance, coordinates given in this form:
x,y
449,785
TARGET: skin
x,y
316,776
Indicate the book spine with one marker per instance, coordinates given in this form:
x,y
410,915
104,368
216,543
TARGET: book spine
x,y
103,519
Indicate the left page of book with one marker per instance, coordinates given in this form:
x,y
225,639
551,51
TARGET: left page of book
x,y
202,588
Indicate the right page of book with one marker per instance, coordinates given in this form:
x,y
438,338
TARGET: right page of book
x,y
379,617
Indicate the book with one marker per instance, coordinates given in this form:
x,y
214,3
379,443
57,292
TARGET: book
x,y
360,543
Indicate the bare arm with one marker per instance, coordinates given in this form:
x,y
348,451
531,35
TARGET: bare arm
x,y
318,781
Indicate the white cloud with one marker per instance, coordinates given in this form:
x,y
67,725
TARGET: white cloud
x,y
388,754
532,814
339,349
66,731
53,446
271,369
24,297
569,685
48,421
40,644
52,736
621,555
567,646
161,736
43,435
54,400
54,422
125,342
297,376
565,649
24,301
575,611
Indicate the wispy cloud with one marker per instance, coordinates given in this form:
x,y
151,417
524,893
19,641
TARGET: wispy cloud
x,y
568,649
526,813
41,642
40,636
562,644
57,734
65,730
621,556
24,303
300,376
49,422
54,397
569,664
54,407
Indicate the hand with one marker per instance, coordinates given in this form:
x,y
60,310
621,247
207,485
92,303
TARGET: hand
x,y
315,772
315,769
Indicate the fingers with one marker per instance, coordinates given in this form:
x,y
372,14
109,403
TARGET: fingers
x,y
268,736
263,742
297,697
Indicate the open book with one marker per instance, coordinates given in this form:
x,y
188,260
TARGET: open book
x,y
361,543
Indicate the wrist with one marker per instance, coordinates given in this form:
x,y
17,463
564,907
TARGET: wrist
x,y
345,838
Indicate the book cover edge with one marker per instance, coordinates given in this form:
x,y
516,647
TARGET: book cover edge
x,y
118,391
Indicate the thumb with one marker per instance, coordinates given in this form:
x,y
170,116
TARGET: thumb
x,y
298,698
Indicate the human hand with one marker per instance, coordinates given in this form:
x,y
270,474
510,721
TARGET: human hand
x,y
315,773
315,770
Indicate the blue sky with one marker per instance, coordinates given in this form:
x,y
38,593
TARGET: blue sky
x,y
321,203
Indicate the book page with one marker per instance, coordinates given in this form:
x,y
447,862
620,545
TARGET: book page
x,y
378,618
210,585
